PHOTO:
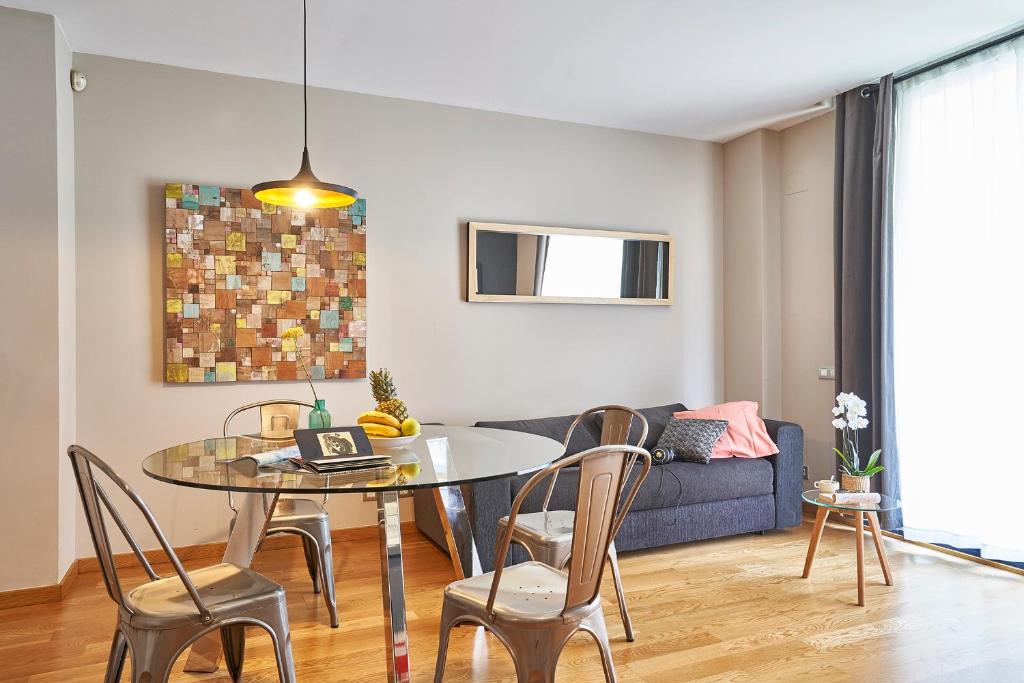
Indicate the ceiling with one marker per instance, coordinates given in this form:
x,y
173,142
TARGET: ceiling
x,y
702,69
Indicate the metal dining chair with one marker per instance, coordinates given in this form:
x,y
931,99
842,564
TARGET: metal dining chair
x,y
300,516
547,535
538,607
162,617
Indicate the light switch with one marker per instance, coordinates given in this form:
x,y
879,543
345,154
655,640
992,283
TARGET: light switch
x,y
827,373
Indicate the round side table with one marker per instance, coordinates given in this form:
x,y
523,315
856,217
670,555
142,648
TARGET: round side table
x,y
870,511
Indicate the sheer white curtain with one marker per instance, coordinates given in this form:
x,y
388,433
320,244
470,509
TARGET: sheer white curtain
x,y
958,308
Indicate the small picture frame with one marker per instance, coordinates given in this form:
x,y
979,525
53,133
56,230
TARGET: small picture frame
x,y
333,442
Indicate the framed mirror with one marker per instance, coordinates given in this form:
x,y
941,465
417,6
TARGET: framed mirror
x,y
530,263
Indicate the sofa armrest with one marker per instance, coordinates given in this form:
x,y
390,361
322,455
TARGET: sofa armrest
x,y
788,464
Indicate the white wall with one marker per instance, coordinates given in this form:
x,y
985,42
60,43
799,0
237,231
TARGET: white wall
x,y
778,189
67,498
808,154
425,170
36,347
753,270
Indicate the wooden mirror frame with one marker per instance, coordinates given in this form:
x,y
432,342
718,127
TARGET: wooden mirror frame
x,y
471,271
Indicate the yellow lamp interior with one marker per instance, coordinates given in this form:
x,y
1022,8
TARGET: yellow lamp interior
x,y
304,197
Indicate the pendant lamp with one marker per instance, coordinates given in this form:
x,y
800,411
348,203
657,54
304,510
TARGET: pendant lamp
x,y
305,190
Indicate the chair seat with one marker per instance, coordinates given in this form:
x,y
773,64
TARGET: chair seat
x,y
530,591
294,511
550,528
225,588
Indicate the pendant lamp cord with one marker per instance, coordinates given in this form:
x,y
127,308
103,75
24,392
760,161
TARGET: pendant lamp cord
x,y
305,105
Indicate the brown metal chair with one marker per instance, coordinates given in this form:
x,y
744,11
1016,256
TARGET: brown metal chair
x,y
300,516
538,608
162,617
547,535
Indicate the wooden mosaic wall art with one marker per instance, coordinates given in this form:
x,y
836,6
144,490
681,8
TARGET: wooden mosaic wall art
x,y
239,273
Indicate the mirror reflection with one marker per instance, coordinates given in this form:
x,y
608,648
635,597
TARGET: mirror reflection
x,y
565,265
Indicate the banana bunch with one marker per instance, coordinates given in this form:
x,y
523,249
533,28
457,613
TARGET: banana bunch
x,y
378,424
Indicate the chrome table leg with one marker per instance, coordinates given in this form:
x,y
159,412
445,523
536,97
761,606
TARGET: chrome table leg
x,y
392,578
458,534
249,529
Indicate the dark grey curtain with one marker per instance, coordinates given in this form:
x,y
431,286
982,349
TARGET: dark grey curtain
x,y
863,270
496,262
643,272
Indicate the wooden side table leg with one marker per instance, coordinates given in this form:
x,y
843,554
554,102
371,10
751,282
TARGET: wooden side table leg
x,y
859,526
876,533
819,527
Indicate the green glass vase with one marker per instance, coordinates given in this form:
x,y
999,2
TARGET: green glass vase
x,y
319,417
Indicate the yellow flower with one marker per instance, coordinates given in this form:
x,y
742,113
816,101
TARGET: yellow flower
x,y
293,333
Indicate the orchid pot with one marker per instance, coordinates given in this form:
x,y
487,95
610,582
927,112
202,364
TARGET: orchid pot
x,y
858,484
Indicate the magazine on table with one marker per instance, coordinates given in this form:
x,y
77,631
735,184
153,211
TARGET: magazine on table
x,y
268,458
336,449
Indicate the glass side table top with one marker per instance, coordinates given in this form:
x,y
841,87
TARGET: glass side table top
x,y
442,456
887,503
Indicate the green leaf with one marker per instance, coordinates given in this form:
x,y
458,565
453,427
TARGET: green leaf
x,y
873,459
869,471
842,457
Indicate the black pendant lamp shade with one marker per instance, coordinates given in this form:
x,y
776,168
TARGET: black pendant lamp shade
x,y
305,190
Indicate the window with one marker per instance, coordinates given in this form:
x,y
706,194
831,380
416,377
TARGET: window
x,y
958,306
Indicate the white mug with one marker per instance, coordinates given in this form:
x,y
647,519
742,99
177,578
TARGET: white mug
x,y
827,485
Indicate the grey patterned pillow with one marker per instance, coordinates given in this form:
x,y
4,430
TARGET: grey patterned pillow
x,y
692,440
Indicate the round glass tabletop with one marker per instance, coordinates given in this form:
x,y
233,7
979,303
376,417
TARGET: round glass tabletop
x,y
814,497
442,456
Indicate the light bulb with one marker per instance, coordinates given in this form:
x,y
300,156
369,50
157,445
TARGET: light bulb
x,y
304,198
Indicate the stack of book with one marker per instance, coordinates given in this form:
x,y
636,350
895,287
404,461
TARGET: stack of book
x,y
342,463
850,498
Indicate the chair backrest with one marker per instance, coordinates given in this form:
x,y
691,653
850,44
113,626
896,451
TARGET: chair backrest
x,y
83,463
601,504
278,418
616,424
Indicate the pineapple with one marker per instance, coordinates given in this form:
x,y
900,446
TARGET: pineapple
x,y
384,392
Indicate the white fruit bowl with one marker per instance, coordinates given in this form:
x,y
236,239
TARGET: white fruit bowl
x,y
391,443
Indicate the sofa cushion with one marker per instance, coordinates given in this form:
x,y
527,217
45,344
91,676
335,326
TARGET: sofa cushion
x,y
670,485
746,436
587,435
692,440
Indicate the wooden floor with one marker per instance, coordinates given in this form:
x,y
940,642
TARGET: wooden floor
x,y
726,610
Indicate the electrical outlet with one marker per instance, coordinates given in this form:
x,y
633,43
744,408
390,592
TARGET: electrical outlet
x,y
805,472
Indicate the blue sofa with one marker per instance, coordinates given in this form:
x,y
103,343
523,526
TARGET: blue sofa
x,y
679,502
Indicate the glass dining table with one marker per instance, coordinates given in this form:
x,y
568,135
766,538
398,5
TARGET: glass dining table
x,y
442,459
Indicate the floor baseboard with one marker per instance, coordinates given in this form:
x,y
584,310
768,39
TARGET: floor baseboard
x,y
40,595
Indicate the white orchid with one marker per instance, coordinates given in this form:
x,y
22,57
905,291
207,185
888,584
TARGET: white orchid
x,y
851,416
